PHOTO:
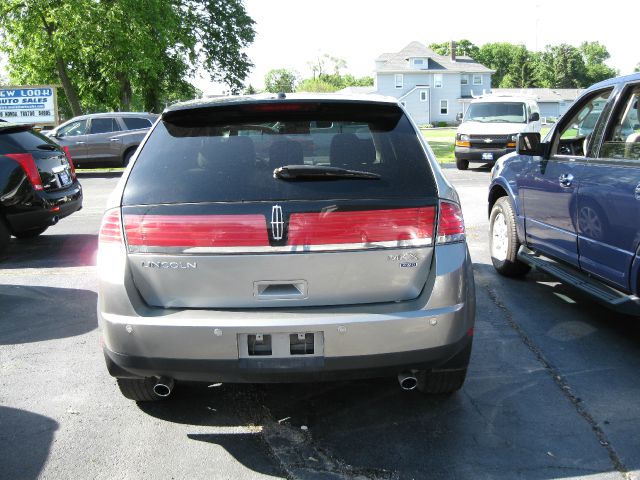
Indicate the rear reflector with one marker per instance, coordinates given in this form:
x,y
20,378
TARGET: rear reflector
x,y
29,166
110,230
196,230
450,223
73,168
413,226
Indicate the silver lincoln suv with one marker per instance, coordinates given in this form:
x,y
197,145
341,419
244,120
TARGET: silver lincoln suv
x,y
284,239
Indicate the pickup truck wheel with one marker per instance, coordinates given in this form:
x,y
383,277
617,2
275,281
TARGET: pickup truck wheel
x,y
138,389
503,240
4,236
462,164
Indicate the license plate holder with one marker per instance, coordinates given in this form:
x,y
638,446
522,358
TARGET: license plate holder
x,y
487,156
64,178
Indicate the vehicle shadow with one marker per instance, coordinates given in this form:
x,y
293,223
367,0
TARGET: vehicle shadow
x,y
35,313
51,251
99,174
26,439
372,429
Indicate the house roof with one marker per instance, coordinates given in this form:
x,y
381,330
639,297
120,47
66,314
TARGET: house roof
x,y
398,62
543,95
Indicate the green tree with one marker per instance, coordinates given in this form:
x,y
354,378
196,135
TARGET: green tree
x,y
280,80
594,55
119,54
316,85
561,66
463,48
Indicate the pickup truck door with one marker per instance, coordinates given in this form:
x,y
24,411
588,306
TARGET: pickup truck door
x,y
550,186
609,197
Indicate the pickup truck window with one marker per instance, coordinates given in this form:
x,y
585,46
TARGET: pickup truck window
x,y
623,137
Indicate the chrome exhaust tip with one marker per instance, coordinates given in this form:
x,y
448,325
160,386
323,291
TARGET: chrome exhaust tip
x,y
407,381
163,387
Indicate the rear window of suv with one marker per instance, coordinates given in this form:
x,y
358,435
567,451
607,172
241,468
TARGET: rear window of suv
x,y
229,154
21,139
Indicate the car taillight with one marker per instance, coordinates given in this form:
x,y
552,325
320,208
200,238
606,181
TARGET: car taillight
x,y
450,223
196,230
110,230
409,226
73,168
29,166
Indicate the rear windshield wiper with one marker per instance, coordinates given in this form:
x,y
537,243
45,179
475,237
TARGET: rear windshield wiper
x,y
292,172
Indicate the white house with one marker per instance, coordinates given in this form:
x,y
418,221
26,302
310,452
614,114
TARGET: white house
x,y
432,87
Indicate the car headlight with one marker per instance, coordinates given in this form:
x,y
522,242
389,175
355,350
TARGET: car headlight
x,y
462,140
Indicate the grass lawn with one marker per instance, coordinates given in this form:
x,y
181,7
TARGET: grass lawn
x,y
442,140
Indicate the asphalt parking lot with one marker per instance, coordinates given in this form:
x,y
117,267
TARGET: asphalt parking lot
x,y
552,391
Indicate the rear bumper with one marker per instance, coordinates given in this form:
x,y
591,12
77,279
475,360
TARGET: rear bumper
x,y
43,207
287,370
472,154
358,341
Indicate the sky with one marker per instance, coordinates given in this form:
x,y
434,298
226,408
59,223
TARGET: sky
x,y
292,33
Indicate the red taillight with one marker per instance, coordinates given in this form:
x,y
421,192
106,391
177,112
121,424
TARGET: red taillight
x,y
450,223
29,166
196,230
73,168
414,225
110,230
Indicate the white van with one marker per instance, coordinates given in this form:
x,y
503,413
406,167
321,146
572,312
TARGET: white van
x,y
490,126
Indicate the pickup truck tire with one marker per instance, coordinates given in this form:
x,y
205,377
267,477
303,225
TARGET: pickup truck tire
x,y
462,164
503,240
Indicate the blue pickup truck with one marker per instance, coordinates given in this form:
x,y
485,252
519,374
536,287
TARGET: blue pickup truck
x,y
569,204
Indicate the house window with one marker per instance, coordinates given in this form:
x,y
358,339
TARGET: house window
x,y
477,79
464,79
444,107
418,61
437,80
423,96
399,79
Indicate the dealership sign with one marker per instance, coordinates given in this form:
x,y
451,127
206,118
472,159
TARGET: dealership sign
x,y
36,105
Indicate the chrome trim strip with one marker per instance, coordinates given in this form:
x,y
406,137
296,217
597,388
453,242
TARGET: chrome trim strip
x,y
416,243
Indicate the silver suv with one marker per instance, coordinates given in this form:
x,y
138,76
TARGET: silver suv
x,y
284,239
103,138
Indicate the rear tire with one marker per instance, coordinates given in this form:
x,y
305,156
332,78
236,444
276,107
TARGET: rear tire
x,y
440,382
503,240
5,235
31,233
138,389
450,377
127,156
462,164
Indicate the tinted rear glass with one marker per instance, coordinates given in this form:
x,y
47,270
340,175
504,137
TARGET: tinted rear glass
x,y
229,155
104,125
12,141
135,123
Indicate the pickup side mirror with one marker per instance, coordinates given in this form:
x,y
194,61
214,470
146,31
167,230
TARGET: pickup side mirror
x,y
535,117
459,117
529,143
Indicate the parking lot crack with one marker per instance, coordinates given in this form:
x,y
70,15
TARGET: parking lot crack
x,y
556,376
